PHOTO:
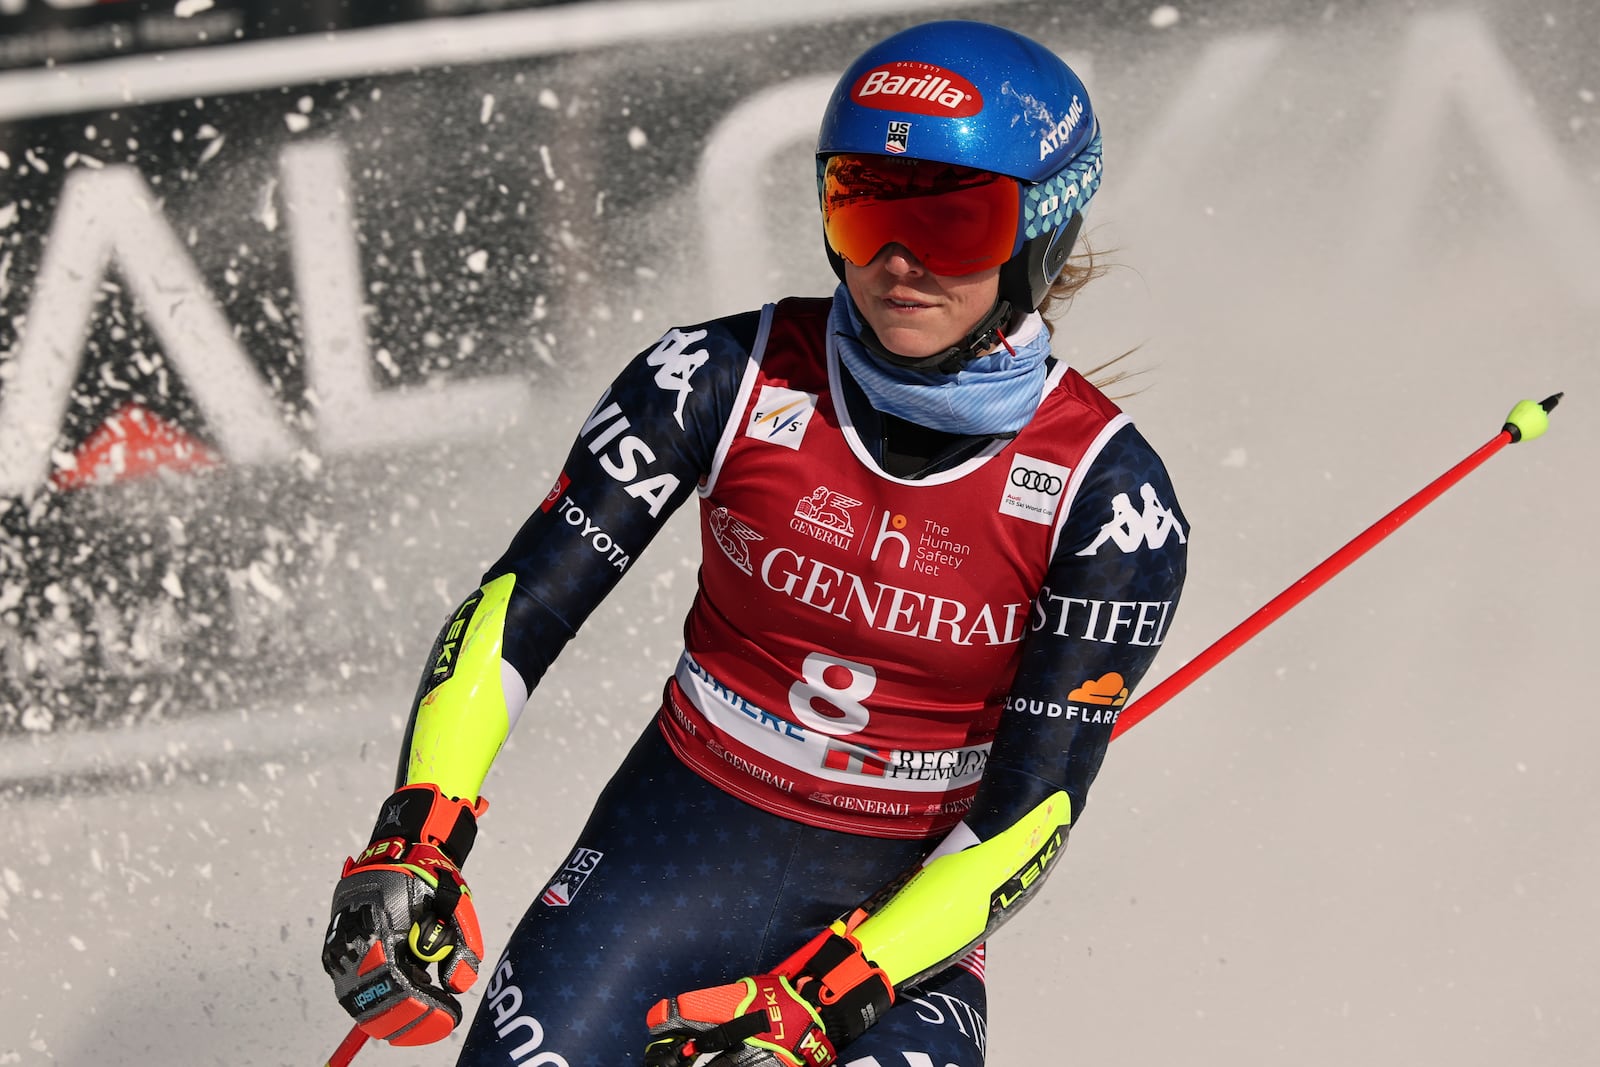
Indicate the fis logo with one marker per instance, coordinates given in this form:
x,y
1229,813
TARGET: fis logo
x,y
569,879
781,416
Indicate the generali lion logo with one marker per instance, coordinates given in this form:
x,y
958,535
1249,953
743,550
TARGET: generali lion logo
x,y
733,537
919,88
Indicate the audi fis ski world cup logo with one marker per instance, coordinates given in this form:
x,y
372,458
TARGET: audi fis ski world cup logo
x,y
1038,481
920,88
569,879
1033,489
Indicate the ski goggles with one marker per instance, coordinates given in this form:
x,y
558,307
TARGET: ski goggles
x,y
955,220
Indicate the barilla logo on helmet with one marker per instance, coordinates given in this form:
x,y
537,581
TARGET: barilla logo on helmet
x,y
920,88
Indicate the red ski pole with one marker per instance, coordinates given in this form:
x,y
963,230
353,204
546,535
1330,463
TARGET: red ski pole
x,y
1526,421
348,1048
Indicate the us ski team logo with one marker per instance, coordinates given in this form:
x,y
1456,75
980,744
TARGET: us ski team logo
x,y
569,879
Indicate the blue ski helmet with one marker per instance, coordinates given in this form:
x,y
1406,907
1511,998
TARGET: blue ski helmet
x,y
985,98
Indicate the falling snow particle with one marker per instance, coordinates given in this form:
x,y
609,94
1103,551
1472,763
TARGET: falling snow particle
x,y
189,8
1235,458
171,585
296,122
486,112
1164,17
549,100
77,942
637,138
213,146
268,212
478,261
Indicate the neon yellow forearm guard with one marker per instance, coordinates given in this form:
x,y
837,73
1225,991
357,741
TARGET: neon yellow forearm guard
x,y
463,718
955,900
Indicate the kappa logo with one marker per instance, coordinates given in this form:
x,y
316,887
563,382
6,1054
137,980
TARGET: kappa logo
x,y
733,537
1033,489
1129,528
569,879
825,515
781,416
675,364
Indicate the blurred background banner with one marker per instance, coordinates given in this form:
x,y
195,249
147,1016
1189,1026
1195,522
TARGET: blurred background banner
x,y
302,304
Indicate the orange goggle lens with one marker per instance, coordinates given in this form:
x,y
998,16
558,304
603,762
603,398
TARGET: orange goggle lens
x,y
955,220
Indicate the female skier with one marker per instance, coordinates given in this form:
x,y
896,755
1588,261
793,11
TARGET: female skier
x,y
935,562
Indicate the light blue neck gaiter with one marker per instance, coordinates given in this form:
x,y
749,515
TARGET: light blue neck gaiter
x,y
996,393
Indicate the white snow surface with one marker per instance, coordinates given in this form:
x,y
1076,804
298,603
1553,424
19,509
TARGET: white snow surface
x,y
1366,837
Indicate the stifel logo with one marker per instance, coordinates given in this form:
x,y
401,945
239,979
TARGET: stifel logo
x,y
919,88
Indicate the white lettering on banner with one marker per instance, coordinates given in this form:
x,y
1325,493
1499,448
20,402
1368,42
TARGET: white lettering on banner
x,y
1130,529
676,365
505,1001
110,217
17,7
607,423
597,538
353,413
1110,622
889,608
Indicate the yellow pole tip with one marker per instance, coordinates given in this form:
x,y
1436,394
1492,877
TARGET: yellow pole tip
x,y
1528,420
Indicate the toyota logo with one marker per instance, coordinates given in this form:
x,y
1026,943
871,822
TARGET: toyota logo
x,y
1039,481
